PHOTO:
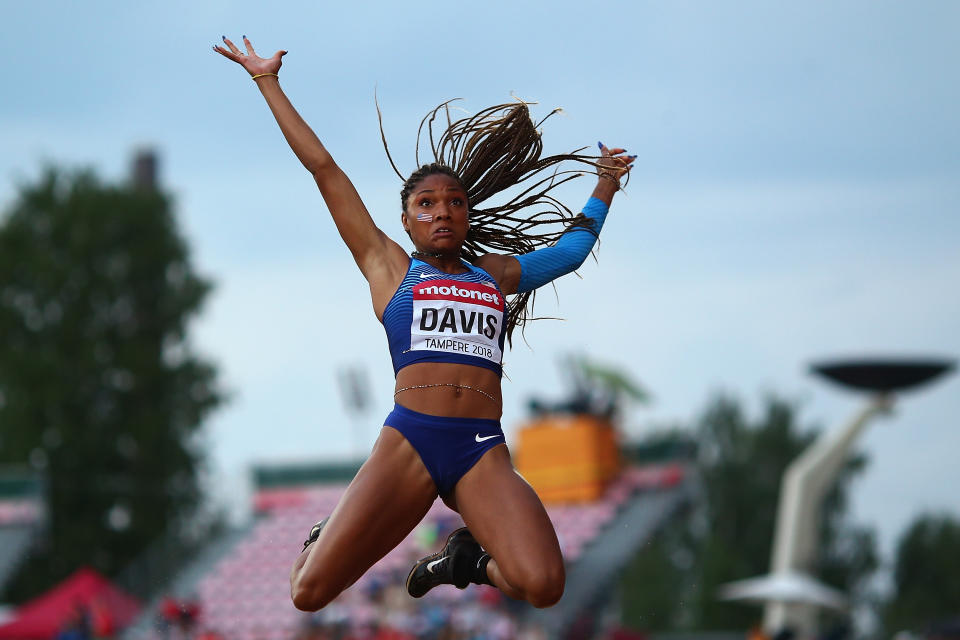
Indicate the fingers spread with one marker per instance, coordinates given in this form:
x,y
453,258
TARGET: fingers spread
x,y
250,51
233,47
224,52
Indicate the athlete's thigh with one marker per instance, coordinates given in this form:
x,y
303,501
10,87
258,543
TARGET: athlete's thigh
x,y
389,496
506,516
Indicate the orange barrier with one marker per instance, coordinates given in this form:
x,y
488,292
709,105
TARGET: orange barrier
x,y
568,458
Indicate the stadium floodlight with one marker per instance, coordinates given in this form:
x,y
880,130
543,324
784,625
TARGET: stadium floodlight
x,y
810,475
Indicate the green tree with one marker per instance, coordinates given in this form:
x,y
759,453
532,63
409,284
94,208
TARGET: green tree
x,y
925,577
98,385
729,537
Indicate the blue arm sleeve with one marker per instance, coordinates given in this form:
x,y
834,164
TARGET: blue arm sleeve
x,y
539,267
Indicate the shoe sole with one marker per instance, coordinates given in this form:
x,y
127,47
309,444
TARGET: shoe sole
x,y
431,558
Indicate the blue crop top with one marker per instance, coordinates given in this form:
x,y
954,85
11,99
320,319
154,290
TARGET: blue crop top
x,y
441,317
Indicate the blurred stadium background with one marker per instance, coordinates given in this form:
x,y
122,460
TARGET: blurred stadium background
x,y
796,190
639,521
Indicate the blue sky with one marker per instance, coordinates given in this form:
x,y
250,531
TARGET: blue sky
x,y
796,196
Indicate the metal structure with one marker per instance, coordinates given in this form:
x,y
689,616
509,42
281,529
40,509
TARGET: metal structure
x,y
807,480
804,484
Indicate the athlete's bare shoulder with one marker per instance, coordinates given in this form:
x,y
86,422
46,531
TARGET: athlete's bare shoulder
x,y
505,270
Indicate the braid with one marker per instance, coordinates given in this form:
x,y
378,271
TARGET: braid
x,y
487,153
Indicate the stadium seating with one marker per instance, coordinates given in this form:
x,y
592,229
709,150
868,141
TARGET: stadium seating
x,y
246,595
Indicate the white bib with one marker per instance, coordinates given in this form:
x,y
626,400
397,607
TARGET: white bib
x,y
457,317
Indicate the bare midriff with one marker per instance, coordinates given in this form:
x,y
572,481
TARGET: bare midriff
x,y
461,391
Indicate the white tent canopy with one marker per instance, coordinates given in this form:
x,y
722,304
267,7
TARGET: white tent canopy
x,y
788,587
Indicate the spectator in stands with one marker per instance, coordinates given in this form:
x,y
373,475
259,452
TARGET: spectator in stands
x,y
446,316
79,625
179,614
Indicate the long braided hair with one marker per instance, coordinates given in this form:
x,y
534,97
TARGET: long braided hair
x,y
496,149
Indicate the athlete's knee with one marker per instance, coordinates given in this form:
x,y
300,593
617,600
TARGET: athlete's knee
x,y
541,585
311,594
545,588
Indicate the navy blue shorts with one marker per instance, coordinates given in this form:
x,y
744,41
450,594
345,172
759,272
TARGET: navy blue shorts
x,y
449,447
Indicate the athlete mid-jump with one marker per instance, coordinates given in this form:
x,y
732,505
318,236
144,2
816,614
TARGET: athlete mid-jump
x,y
446,315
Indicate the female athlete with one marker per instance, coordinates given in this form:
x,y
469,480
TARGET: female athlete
x,y
446,319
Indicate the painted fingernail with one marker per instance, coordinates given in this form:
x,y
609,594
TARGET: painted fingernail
x,y
633,156
244,37
600,144
224,38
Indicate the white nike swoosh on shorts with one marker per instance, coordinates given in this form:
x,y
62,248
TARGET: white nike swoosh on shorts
x,y
479,439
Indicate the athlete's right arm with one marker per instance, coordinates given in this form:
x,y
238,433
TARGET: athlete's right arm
x,y
379,258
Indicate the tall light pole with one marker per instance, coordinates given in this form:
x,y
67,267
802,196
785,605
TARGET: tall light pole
x,y
810,476
790,594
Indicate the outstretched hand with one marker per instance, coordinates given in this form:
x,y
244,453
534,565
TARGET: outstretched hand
x,y
613,164
250,61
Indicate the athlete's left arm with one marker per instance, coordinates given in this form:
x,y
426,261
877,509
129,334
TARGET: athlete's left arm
x,y
523,273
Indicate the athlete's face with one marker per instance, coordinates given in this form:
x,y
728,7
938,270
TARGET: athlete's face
x,y
436,216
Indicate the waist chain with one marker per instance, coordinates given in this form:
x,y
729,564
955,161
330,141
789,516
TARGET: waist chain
x,y
445,384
